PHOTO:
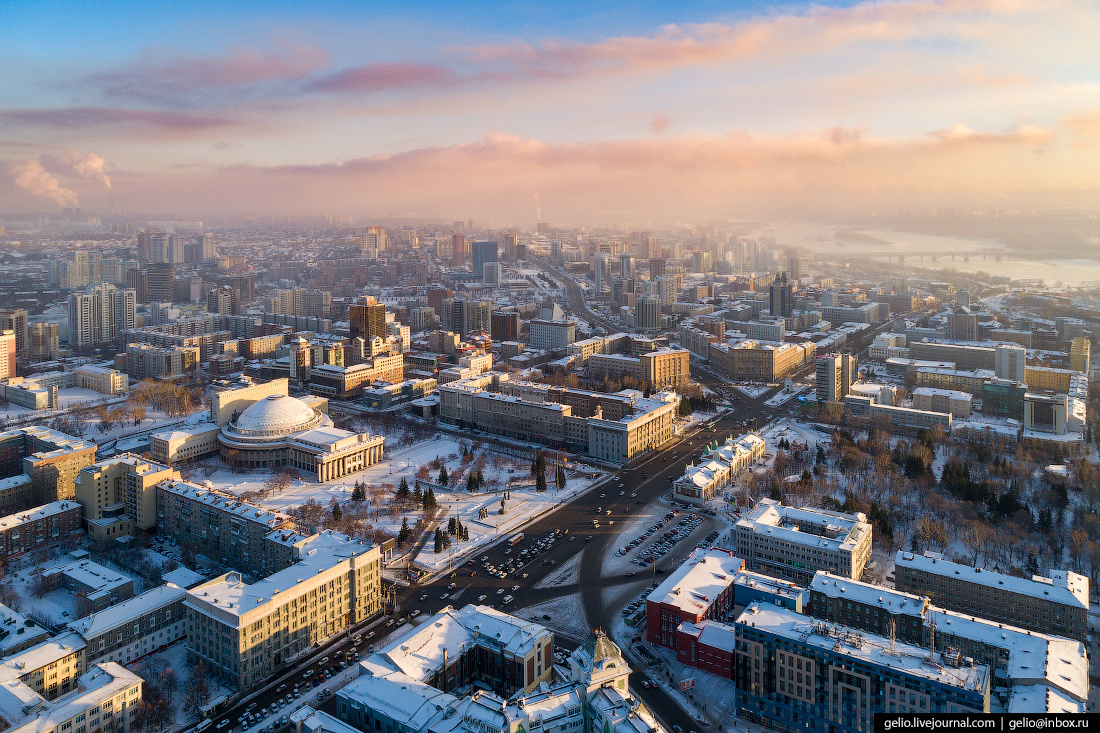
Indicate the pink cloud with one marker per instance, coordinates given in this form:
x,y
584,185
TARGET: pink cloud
x,y
179,79
380,77
660,123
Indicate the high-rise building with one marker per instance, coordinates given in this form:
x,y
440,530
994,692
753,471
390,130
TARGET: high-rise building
x,y
223,299
177,249
158,247
300,302
100,314
7,353
511,240
657,267
492,273
628,265
835,374
556,251
459,253
701,262
1010,362
647,313
962,298
207,250
368,320
374,240
160,283
602,262
482,252
780,302
1079,353
16,320
45,342
794,269
962,325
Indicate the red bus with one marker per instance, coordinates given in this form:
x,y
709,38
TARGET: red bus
x,y
516,539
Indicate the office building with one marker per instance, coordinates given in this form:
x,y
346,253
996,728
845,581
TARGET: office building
x,y
931,399
7,354
102,379
835,374
602,266
701,588
492,274
780,296
552,335
464,316
117,496
794,671
864,313
1010,362
962,325
1058,604
965,357
874,608
51,459
628,266
368,320
482,252
511,242
647,313
246,632
794,543
759,361
459,250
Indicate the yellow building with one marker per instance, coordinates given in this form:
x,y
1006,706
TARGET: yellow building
x,y
1079,354
1048,378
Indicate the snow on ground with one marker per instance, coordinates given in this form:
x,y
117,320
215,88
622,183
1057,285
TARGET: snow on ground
x,y
645,518
175,658
568,573
500,472
785,395
566,616
752,390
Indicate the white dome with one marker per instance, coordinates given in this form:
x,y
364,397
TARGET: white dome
x,y
276,415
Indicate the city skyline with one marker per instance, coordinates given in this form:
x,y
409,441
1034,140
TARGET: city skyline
x,y
512,113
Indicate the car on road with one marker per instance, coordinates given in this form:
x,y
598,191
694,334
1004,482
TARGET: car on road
x,y
445,596
424,597
588,538
645,684
499,591
223,724
633,495
545,617
481,598
415,613
507,599
515,587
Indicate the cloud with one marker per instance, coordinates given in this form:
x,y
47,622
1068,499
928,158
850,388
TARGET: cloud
x,y
88,117
75,164
1083,125
171,83
660,123
382,77
30,176
1025,135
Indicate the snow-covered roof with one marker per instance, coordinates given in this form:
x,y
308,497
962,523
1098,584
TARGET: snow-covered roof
x,y
101,683
452,631
714,634
39,512
695,585
186,432
888,599
1041,699
225,502
905,658
15,631
1033,657
41,655
231,595
1063,587
132,608
406,701
840,531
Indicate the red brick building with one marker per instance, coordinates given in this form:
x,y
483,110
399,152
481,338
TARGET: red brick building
x,y
700,589
707,645
34,529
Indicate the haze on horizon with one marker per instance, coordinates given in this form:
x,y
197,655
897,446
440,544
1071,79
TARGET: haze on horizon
x,y
562,111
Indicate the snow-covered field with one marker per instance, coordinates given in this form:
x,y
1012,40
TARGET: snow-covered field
x,y
567,574
752,390
566,616
414,463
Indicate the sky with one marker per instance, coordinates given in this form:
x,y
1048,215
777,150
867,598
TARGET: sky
x,y
568,112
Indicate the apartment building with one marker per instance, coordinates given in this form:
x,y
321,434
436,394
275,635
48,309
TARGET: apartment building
x,y
943,400
959,380
552,335
51,459
118,495
965,356
793,543
50,668
245,633
1055,605
348,382
93,586
17,632
43,526
106,697
145,361
221,526
1049,378
135,627
794,671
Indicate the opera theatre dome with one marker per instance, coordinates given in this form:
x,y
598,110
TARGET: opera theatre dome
x,y
279,430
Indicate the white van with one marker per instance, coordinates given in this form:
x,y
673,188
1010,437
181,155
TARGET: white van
x,y
507,599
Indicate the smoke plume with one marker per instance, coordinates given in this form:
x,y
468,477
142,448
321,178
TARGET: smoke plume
x,y
75,164
31,176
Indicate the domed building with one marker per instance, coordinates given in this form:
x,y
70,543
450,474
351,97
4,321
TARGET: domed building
x,y
279,430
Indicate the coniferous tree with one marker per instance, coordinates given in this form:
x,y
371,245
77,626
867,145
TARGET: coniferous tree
x,y
442,476
403,533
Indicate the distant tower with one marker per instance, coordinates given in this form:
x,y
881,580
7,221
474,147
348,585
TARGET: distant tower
x,y
779,296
